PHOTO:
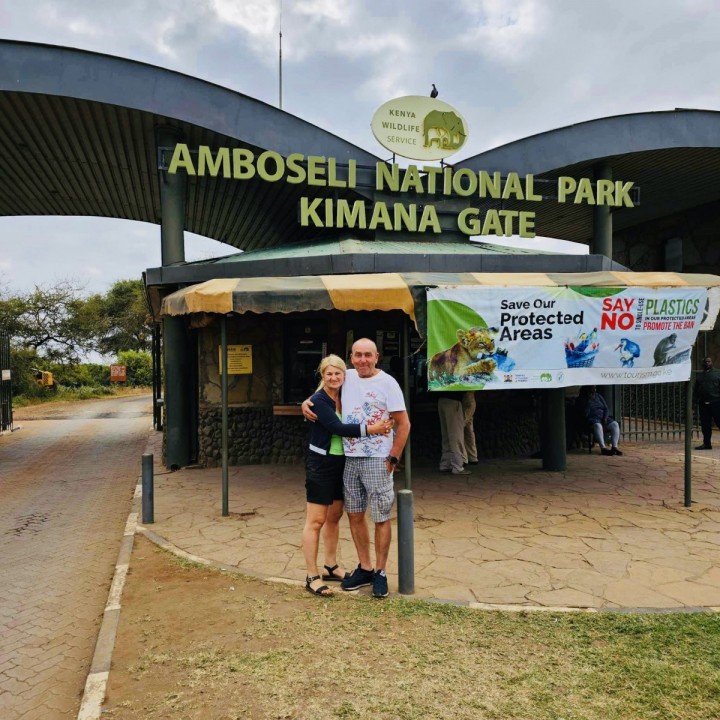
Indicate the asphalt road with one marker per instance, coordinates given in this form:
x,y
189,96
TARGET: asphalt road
x,y
67,478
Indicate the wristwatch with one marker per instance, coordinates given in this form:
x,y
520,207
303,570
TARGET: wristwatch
x,y
393,460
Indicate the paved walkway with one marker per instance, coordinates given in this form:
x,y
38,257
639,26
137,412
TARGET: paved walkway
x,y
66,481
610,532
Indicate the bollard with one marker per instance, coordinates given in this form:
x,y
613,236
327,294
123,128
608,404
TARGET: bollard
x,y
406,543
148,499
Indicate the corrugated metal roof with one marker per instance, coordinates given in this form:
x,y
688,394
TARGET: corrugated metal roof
x,y
60,156
77,137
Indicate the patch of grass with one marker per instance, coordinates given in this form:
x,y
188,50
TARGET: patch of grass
x,y
404,659
188,564
84,392
275,652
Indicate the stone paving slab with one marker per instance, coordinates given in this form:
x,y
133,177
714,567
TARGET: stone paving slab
x,y
608,533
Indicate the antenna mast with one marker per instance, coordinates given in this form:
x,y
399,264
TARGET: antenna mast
x,y
280,61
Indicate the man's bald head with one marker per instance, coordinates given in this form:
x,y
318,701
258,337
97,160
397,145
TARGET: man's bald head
x,y
364,357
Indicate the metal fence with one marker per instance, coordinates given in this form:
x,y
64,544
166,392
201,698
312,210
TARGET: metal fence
x,y
655,412
6,414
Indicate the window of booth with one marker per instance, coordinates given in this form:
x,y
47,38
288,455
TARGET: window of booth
x,y
308,339
306,343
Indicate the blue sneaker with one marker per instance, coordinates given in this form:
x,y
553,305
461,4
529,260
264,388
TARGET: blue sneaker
x,y
380,586
359,578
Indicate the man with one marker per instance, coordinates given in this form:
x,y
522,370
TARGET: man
x,y
452,431
468,402
369,395
707,393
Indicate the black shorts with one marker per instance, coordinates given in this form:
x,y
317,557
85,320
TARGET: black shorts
x,y
324,478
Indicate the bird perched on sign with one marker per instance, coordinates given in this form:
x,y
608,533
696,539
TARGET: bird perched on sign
x,y
434,91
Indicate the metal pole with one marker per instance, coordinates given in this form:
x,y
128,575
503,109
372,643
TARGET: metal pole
x,y
148,491
688,442
157,380
224,371
407,459
406,543
406,546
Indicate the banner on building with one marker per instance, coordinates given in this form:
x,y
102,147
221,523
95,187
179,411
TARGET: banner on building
x,y
495,338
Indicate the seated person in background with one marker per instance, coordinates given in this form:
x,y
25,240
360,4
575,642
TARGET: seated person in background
x,y
594,409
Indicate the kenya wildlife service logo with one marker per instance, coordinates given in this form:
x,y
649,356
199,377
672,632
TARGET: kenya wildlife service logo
x,y
419,128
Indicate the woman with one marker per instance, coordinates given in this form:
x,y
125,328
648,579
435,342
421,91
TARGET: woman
x,y
324,474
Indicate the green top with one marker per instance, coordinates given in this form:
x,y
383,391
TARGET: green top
x,y
336,446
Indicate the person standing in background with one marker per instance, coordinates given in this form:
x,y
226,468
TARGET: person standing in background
x,y
470,454
452,431
707,394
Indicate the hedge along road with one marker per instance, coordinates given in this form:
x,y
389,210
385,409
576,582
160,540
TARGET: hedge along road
x,y
67,478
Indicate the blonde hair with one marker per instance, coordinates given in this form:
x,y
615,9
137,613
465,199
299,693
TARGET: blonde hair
x,y
330,360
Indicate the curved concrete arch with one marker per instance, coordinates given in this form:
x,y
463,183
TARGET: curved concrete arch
x,y
66,72
596,140
79,133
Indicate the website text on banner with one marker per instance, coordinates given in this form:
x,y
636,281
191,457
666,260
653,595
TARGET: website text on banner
x,y
496,338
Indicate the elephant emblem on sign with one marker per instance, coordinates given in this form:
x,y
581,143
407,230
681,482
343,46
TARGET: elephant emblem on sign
x,y
444,129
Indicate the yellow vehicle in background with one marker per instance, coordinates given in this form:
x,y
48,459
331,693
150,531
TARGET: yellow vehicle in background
x,y
44,378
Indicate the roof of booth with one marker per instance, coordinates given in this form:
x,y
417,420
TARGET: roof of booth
x,y
351,255
386,291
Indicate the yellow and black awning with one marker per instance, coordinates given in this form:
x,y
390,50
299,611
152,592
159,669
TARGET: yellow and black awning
x,y
388,291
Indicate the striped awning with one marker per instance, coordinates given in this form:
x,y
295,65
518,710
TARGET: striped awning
x,y
387,291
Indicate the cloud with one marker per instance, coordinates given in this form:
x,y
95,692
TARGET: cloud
x,y
258,18
513,68
503,29
339,11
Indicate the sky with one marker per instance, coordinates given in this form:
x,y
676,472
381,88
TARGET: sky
x,y
512,68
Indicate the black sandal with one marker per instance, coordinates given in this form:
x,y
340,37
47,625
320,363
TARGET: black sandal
x,y
330,575
322,591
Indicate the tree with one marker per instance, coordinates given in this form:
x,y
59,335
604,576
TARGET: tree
x,y
126,322
51,320
61,325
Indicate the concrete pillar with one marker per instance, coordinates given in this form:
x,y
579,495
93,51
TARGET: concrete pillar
x,y
172,202
175,358
177,392
603,245
602,219
553,443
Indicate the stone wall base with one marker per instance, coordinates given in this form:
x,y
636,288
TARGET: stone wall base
x,y
506,428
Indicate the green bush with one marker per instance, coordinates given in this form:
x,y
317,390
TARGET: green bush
x,y
84,392
85,374
139,367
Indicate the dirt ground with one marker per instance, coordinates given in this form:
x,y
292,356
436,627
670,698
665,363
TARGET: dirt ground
x,y
50,406
197,643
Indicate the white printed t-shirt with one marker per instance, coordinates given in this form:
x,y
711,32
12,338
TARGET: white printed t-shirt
x,y
369,400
